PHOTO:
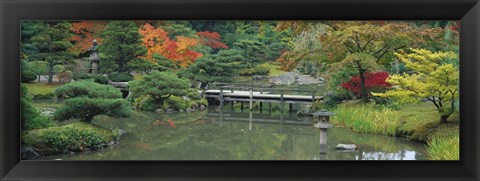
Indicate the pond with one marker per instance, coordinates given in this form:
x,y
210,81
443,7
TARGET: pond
x,y
230,134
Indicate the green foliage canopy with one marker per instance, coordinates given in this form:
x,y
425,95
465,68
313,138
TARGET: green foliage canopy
x,y
121,45
159,86
88,99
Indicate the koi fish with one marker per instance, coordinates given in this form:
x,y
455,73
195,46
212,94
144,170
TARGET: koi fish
x,y
171,123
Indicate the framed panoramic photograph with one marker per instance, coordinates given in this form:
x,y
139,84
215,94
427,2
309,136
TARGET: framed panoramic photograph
x,y
195,90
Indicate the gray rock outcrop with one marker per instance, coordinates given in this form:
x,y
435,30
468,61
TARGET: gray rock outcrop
x,y
293,77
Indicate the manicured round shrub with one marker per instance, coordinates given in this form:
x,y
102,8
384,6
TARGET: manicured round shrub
x,y
261,70
86,108
120,77
149,105
88,89
75,137
99,79
28,76
194,95
177,103
80,76
87,99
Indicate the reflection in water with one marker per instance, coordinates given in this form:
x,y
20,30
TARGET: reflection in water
x,y
233,135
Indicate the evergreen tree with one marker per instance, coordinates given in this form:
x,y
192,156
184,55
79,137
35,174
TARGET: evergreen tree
x,y
219,67
121,45
53,45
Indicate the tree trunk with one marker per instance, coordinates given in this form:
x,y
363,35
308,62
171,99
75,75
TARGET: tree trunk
x,y
50,73
443,118
121,67
39,76
362,82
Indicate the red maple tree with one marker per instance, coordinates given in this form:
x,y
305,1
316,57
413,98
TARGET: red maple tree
x,y
211,39
373,82
180,52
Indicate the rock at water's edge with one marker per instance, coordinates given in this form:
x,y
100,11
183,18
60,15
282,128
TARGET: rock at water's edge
x,y
346,147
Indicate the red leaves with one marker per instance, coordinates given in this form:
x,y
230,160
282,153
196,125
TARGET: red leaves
x,y
211,39
455,26
85,33
179,52
373,81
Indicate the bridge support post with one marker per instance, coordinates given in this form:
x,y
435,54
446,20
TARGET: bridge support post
x,y
270,108
290,107
241,106
221,97
282,101
250,121
251,99
313,97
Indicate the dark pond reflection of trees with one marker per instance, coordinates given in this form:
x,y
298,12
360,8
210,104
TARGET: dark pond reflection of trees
x,y
203,136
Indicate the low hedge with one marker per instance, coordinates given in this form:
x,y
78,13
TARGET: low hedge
x,y
120,77
74,137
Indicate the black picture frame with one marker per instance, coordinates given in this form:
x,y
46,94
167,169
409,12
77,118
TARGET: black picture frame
x,y
13,11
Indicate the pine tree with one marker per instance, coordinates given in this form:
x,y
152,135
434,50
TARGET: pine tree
x,y
53,45
121,45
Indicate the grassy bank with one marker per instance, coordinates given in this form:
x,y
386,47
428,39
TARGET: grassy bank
x,y
41,90
417,122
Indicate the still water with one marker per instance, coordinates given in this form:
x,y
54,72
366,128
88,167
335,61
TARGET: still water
x,y
232,135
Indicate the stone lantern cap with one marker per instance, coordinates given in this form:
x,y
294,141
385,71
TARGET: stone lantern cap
x,y
323,113
94,46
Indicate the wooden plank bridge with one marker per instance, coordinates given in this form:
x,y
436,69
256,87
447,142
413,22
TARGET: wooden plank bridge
x,y
259,93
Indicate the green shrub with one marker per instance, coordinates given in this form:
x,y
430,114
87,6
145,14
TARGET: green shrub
x,y
75,137
202,102
386,102
95,77
177,103
261,70
37,122
86,108
193,94
120,77
81,76
87,99
89,89
149,105
99,79
31,117
28,76
159,85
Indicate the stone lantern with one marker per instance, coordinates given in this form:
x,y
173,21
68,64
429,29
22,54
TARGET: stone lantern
x,y
323,124
94,58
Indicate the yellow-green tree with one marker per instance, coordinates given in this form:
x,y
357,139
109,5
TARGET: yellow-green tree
x,y
433,78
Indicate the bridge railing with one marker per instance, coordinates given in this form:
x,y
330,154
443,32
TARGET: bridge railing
x,y
262,88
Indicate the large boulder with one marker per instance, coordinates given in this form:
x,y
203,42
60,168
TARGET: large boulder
x,y
284,79
306,111
28,153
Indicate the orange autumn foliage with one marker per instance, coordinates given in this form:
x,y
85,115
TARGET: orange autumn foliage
x,y
84,33
157,42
